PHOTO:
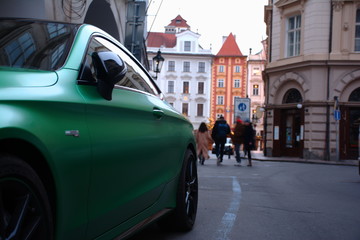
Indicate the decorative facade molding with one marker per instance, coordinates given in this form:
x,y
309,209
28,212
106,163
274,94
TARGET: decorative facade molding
x,y
337,5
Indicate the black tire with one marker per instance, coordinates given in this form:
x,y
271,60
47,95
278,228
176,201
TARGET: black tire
x,y
25,211
184,215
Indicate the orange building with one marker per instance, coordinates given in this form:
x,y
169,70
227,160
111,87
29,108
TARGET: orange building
x,y
229,79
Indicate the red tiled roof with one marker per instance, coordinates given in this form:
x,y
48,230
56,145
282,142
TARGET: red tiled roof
x,y
229,47
179,22
156,39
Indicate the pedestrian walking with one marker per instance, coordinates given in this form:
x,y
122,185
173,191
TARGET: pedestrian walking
x,y
219,133
203,139
249,141
238,139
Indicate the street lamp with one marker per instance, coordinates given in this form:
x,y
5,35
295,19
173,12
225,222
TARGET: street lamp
x,y
158,61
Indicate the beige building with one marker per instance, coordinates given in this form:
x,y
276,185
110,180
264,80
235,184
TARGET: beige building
x,y
313,71
255,91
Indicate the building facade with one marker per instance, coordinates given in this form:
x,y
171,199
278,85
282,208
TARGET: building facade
x,y
255,91
186,73
229,80
312,75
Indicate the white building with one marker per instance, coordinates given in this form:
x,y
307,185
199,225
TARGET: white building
x,y
185,78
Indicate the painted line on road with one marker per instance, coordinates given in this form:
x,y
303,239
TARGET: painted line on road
x,y
229,217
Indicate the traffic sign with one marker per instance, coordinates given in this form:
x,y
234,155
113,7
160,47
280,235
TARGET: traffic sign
x,y
337,115
242,108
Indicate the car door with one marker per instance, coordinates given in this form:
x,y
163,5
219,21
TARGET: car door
x,y
132,141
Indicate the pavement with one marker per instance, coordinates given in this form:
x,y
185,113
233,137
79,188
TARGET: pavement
x,y
259,156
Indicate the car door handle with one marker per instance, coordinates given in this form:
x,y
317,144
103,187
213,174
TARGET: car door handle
x,y
158,113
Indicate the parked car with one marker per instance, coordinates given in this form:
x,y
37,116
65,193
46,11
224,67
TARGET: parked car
x,y
88,147
228,149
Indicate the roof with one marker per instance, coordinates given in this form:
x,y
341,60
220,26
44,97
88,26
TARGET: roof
x,y
179,22
230,48
157,39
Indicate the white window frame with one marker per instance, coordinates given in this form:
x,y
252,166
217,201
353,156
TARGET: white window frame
x,y
237,83
357,31
201,67
200,113
186,66
221,69
220,83
220,100
171,87
171,66
293,36
187,46
201,88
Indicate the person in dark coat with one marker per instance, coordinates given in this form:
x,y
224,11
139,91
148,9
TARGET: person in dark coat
x,y
219,133
249,141
238,138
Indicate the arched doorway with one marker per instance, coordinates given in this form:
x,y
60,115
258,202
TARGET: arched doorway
x,y
289,121
99,14
350,123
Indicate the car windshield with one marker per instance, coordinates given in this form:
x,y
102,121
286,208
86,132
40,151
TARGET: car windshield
x,y
35,44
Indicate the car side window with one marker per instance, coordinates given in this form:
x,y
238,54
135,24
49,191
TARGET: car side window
x,y
134,79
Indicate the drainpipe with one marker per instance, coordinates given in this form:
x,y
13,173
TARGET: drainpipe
x,y
327,140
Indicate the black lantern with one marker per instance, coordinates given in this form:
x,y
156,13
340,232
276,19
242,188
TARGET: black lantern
x,y
158,61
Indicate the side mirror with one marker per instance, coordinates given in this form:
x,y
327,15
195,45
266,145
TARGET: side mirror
x,y
109,69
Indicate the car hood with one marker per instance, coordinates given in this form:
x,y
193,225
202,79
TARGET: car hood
x,y
14,77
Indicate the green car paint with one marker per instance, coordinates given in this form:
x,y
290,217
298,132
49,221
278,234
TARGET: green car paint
x,y
107,165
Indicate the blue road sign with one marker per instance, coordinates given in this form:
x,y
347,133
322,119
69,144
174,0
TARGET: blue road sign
x,y
242,108
337,115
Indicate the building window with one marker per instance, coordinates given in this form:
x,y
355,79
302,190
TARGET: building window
x,y
220,83
357,31
221,68
237,69
171,66
292,96
256,71
187,46
201,88
186,67
220,100
186,87
171,86
201,67
255,90
293,36
200,110
237,83
185,109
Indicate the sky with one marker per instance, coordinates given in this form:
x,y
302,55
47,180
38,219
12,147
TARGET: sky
x,y
213,20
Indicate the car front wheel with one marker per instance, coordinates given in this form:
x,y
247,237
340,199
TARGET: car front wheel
x,y
184,215
24,208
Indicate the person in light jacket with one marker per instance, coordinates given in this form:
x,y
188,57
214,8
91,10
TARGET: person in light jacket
x,y
203,139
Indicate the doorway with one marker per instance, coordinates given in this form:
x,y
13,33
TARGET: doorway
x,y
291,133
349,133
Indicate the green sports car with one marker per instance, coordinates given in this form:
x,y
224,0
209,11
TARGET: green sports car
x,y
88,147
